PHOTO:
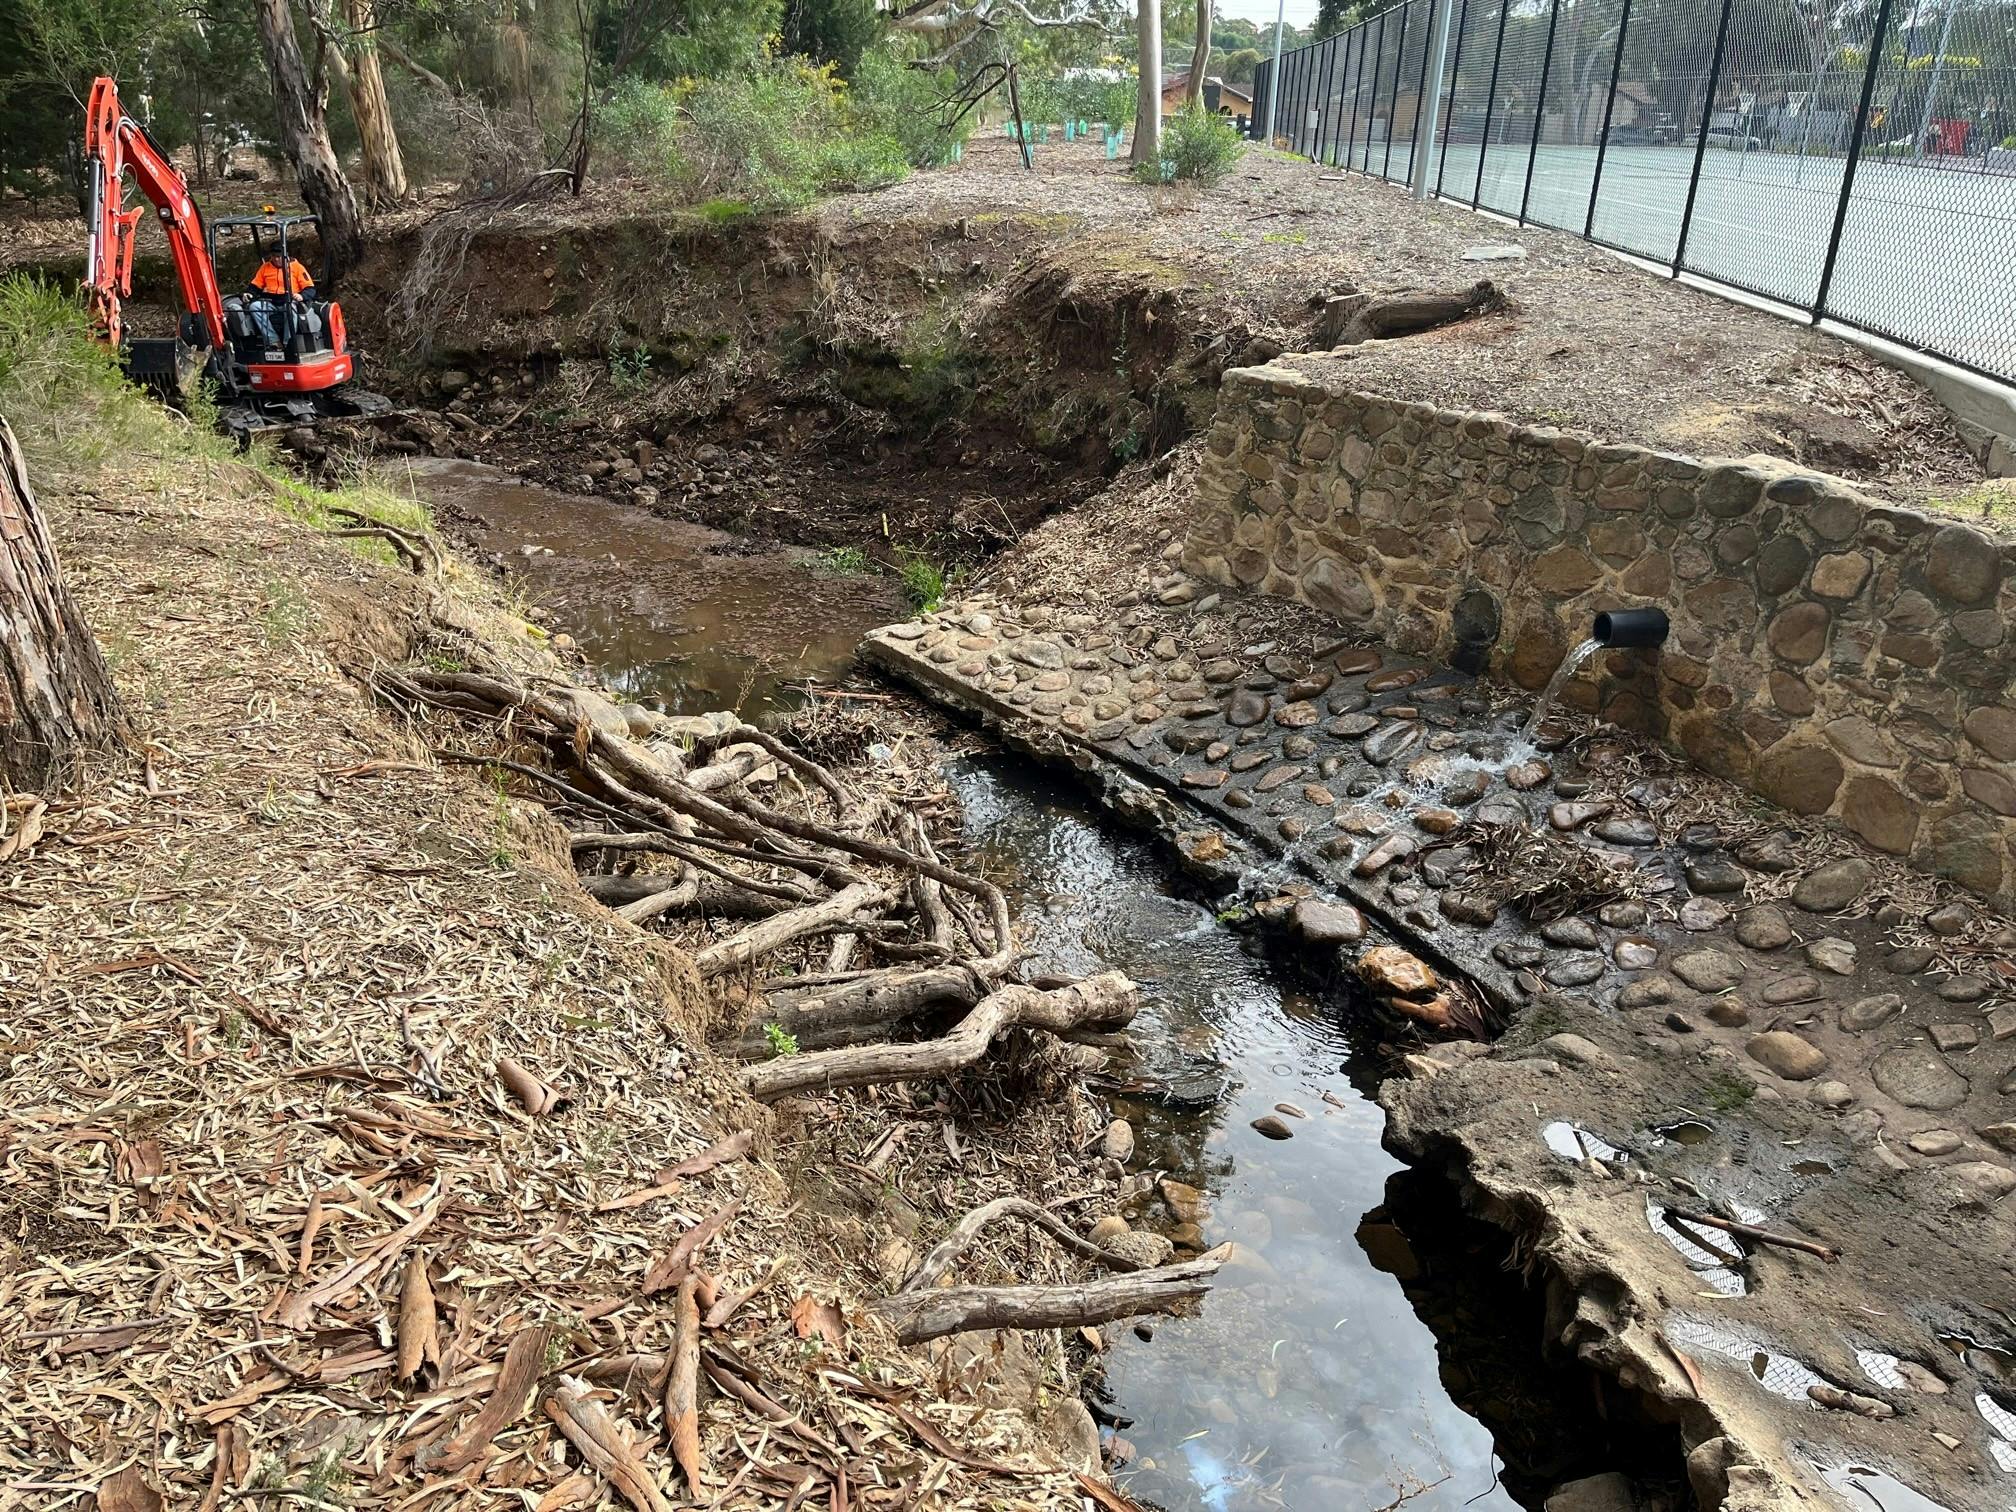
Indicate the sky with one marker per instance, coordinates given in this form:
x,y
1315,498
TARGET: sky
x,y
1300,12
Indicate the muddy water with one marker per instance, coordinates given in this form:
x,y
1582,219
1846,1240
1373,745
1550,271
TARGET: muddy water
x,y
691,618
1307,1380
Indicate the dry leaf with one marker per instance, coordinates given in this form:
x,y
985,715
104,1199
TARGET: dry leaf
x,y
811,1316
419,1326
533,1094
128,1491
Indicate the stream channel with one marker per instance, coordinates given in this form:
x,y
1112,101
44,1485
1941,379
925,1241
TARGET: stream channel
x,y
1311,1378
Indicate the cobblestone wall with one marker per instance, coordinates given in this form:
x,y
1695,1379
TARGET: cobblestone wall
x,y
1836,654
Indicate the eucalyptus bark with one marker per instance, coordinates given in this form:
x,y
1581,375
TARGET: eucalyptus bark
x,y
304,135
1200,55
1148,99
58,707
384,165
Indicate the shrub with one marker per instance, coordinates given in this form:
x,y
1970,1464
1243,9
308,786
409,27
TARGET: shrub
x,y
1197,144
777,136
905,105
640,122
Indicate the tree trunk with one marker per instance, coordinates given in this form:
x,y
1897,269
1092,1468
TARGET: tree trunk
x,y
57,703
384,165
1148,101
304,134
1200,55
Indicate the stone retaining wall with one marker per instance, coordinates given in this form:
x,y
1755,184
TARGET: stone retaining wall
x,y
1836,654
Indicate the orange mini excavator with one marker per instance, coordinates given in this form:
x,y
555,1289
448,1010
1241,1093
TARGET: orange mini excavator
x,y
288,363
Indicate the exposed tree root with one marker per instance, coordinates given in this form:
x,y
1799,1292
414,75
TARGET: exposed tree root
x,y
1103,1000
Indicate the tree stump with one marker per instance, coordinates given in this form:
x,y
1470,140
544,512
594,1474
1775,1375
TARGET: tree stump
x,y
57,703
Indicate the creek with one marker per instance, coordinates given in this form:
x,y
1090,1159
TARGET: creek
x,y
1365,1333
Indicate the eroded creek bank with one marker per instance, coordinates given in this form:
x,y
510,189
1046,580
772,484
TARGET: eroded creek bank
x,y
1367,1339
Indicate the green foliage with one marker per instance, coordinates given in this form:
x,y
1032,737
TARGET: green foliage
x,y
840,32
904,104
629,370
782,1041
924,582
770,137
1199,145
842,561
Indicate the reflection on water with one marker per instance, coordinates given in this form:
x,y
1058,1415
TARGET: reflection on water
x,y
671,612
1307,1380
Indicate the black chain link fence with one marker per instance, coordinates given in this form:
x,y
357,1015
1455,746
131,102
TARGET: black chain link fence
x,y
1855,159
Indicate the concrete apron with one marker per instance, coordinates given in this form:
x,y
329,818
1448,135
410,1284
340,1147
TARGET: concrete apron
x,y
1840,1094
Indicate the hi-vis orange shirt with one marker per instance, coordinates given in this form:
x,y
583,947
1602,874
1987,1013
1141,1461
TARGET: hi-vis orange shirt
x,y
267,279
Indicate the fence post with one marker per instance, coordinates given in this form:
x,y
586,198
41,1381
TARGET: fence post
x,y
1609,105
1393,103
1490,102
1334,79
1876,41
1322,96
1701,142
1540,110
1357,91
1372,116
1455,72
1427,105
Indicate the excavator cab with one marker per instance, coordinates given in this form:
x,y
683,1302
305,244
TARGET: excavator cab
x,y
308,352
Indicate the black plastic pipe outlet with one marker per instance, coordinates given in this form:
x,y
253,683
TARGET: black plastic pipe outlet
x,y
1631,627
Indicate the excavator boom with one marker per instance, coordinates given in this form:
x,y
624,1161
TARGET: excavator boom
x,y
115,143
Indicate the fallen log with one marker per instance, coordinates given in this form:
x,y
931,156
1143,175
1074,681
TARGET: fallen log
x,y
774,933
1406,314
857,1011
935,1312
1104,1000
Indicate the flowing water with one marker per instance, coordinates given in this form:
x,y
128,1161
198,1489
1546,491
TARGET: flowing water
x,y
1570,665
1364,1333
1309,1378
671,612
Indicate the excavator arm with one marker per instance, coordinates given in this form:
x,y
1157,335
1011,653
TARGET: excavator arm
x,y
113,144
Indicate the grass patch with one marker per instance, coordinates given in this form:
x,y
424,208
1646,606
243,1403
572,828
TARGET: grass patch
x,y
1726,1090
842,561
924,582
1993,502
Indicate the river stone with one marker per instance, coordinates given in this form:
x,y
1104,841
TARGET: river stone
x,y
1919,1077
1635,955
1833,954
1934,1142
1324,922
1953,1038
1111,1227
1297,716
1787,1054
1703,914
1185,1202
1187,742
1708,970
1573,933
1864,1014
1963,564
1625,914
1833,886
1208,777
1528,775
1624,830
1298,747
1729,1012
1833,1094
1394,740
1469,908
1714,875
1246,708
1358,660
1246,761
1965,989
1389,969
1384,854
1350,726
1649,992
1041,654
1273,1127
1608,1492
1798,988
1982,1180
1571,816
1908,960
1117,1143
1278,777
1764,928
2000,1135
1143,1247
1575,970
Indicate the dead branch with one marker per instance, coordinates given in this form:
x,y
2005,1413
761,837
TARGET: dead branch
x,y
1757,1235
954,1244
772,934
603,1444
1106,999
1406,314
920,1315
